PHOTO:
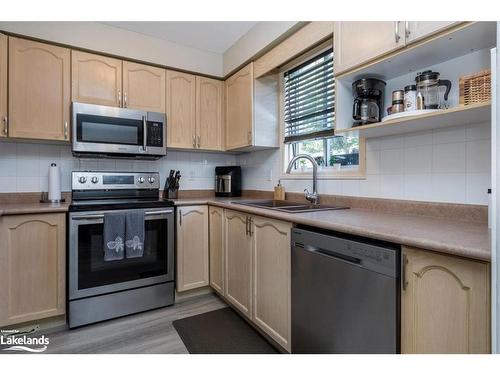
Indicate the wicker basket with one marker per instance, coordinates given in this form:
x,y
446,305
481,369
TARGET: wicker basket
x,y
475,88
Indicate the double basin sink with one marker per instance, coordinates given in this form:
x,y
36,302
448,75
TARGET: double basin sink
x,y
287,206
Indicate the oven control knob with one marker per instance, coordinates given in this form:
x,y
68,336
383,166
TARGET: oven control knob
x,y
151,180
82,179
141,180
94,180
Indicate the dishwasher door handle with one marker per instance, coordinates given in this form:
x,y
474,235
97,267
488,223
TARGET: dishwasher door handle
x,y
332,254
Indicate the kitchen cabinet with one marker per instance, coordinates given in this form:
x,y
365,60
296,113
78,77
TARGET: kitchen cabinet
x,y
192,247
209,123
39,90
356,42
239,108
238,261
416,30
4,130
32,267
181,110
445,305
96,79
216,246
143,87
271,278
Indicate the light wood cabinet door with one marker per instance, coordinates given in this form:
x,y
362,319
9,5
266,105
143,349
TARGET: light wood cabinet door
x,y
96,79
216,223
39,90
271,278
143,87
181,110
239,109
209,125
445,305
32,267
357,42
3,86
192,247
416,30
238,262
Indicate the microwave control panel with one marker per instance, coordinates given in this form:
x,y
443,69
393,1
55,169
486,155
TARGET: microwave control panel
x,y
154,134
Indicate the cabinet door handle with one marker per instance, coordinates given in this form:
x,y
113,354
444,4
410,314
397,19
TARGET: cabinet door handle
x,y
199,141
246,226
125,99
249,136
180,218
5,125
194,141
397,37
250,222
66,132
404,262
407,29
119,98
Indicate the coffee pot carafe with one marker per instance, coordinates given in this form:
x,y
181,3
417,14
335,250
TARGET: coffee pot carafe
x,y
428,84
368,96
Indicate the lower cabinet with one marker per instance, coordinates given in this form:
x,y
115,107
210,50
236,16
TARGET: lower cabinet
x,y
32,267
257,272
445,306
192,247
271,278
238,261
216,243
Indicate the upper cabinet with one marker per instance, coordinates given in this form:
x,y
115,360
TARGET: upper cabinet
x,y
4,130
415,30
181,110
107,81
96,79
239,109
39,90
209,121
143,87
356,42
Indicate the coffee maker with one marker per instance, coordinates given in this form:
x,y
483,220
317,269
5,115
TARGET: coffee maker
x,y
368,101
228,181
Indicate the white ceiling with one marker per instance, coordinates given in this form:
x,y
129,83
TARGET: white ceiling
x,y
209,36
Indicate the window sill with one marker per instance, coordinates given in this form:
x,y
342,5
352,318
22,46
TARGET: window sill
x,y
325,175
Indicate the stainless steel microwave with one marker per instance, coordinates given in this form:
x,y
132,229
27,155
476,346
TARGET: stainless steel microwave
x,y
101,131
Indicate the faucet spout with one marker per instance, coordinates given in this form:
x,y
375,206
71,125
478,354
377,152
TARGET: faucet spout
x,y
311,197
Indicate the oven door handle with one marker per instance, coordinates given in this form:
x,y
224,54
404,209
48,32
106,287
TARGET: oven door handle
x,y
101,216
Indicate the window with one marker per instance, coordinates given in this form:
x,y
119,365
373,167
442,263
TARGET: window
x,y
309,118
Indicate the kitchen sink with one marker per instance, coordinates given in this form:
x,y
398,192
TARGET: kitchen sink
x,y
287,206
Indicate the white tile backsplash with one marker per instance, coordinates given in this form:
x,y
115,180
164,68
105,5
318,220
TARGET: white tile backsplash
x,y
24,166
445,165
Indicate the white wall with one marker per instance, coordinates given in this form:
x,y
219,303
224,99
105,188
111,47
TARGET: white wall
x,y
258,37
24,166
445,165
108,39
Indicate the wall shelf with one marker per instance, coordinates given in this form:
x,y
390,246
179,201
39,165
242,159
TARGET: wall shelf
x,y
460,115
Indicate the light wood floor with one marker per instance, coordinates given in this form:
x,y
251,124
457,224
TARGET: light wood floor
x,y
148,332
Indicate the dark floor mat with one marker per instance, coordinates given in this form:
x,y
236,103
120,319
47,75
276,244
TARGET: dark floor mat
x,y
221,331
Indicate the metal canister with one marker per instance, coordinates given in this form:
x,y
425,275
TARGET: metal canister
x,y
397,101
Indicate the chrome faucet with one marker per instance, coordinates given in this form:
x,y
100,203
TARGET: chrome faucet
x,y
311,197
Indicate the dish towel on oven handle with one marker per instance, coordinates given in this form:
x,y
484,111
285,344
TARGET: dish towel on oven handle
x,y
134,232
114,236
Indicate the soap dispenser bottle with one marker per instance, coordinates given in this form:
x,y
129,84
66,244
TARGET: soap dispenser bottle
x,y
279,192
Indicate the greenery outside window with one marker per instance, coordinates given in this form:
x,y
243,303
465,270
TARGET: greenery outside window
x,y
308,119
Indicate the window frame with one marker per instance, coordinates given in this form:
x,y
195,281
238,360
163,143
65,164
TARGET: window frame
x,y
323,173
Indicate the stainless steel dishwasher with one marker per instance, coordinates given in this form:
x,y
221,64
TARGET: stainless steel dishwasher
x,y
345,294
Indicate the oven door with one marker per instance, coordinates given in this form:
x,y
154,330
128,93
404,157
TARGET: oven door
x,y
90,275
102,129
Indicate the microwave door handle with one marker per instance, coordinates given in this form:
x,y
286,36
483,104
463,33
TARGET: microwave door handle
x,y
144,132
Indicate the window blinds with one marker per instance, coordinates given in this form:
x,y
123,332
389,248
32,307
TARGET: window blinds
x,y
309,94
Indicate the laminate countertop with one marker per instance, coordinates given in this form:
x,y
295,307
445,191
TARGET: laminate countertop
x,y
462,238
